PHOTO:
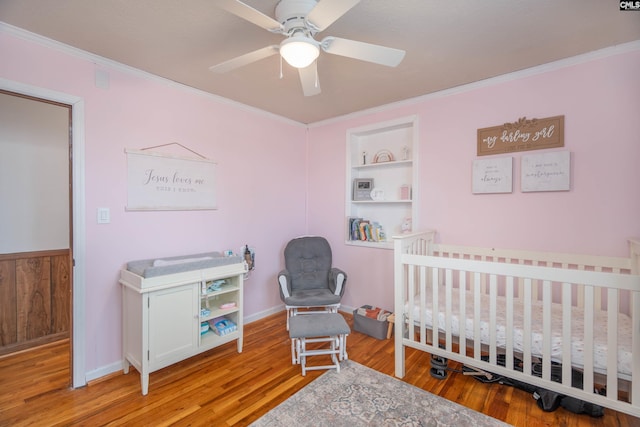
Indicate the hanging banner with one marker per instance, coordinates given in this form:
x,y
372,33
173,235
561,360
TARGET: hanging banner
x,y
157,181
523,135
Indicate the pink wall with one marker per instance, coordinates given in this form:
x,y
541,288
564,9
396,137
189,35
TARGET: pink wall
x,y
600,100
264,162
261,180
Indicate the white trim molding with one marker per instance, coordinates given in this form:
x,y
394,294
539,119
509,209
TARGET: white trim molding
x,y
78,374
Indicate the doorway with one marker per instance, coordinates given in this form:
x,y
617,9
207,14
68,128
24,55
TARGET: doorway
x,y
35,222
75,214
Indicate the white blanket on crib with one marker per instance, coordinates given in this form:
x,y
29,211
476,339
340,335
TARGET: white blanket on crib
x,y
577,328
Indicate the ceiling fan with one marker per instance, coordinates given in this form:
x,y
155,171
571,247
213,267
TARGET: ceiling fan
x,y
299,21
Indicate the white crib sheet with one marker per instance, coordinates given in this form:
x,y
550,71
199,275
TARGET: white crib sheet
x,y
577,328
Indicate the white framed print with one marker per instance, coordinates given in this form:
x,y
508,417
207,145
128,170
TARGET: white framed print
x,y
492,176
546,172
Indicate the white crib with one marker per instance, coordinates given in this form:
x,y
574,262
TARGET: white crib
x,y
547,309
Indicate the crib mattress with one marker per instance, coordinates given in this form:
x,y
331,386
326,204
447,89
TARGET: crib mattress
x,y
577,328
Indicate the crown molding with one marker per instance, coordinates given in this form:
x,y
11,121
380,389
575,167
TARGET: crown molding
x,y
108,63
516,75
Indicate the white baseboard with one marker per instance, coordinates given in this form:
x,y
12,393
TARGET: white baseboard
x,y
119,365
105,370
346,309
263,314
257,316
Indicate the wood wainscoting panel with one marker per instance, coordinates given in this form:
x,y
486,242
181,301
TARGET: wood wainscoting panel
x,y
33,286
8,303
60,293
35,298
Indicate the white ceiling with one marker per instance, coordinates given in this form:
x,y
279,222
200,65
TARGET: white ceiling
x,y
448,44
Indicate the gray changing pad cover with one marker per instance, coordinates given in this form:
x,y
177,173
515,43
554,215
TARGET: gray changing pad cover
x,y
179,264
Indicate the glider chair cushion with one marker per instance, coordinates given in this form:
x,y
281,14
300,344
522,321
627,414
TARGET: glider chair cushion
x,y
309,280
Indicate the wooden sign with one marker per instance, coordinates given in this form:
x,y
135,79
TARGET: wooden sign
x,y
523,135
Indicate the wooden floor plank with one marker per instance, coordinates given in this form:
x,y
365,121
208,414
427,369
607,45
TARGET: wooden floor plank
x,y
223,387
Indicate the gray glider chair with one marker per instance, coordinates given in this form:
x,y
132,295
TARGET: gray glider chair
x,y
309,281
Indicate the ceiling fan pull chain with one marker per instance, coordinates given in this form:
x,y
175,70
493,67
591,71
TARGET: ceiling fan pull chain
x,y
281,67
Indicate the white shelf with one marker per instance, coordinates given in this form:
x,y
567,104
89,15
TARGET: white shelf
x,y
217,312
371,202
394,163
366,244
399,137
210,339
224,289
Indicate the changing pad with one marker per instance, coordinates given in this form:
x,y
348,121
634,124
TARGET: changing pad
x,y
171,265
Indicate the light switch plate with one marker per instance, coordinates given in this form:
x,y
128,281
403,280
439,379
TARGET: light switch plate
x,y
104,216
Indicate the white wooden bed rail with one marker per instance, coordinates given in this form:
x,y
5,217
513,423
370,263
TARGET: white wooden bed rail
x,y
603,290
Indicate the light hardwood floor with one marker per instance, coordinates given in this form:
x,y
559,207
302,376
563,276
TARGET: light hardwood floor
x,y
222,387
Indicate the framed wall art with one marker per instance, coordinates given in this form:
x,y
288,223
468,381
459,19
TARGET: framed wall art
x,y
492,176
546,172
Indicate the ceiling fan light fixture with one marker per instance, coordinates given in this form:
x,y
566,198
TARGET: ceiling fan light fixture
x,y
299,51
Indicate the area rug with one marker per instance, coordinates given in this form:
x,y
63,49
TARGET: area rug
x,y
360,396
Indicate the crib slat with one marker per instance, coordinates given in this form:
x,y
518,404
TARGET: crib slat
x,y
612,341
526,346
535,289
462,286
580,291
411,292
509,326
435,317
447,318
422,280
423,299
476,315
566,333
635,344
588,337
520,284
598,295
493,293
546,330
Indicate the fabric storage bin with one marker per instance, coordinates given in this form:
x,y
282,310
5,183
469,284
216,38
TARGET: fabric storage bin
x,y
372,327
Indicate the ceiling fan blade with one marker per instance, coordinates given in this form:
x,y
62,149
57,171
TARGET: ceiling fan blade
x,y
326,12
309,79
245,59
252,15
363,51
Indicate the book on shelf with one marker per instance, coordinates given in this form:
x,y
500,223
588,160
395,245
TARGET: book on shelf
x,y
361,229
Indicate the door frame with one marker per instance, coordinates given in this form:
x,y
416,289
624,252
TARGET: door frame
x,y
78,336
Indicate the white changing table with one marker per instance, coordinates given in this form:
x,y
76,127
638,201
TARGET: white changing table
x,y
162,314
